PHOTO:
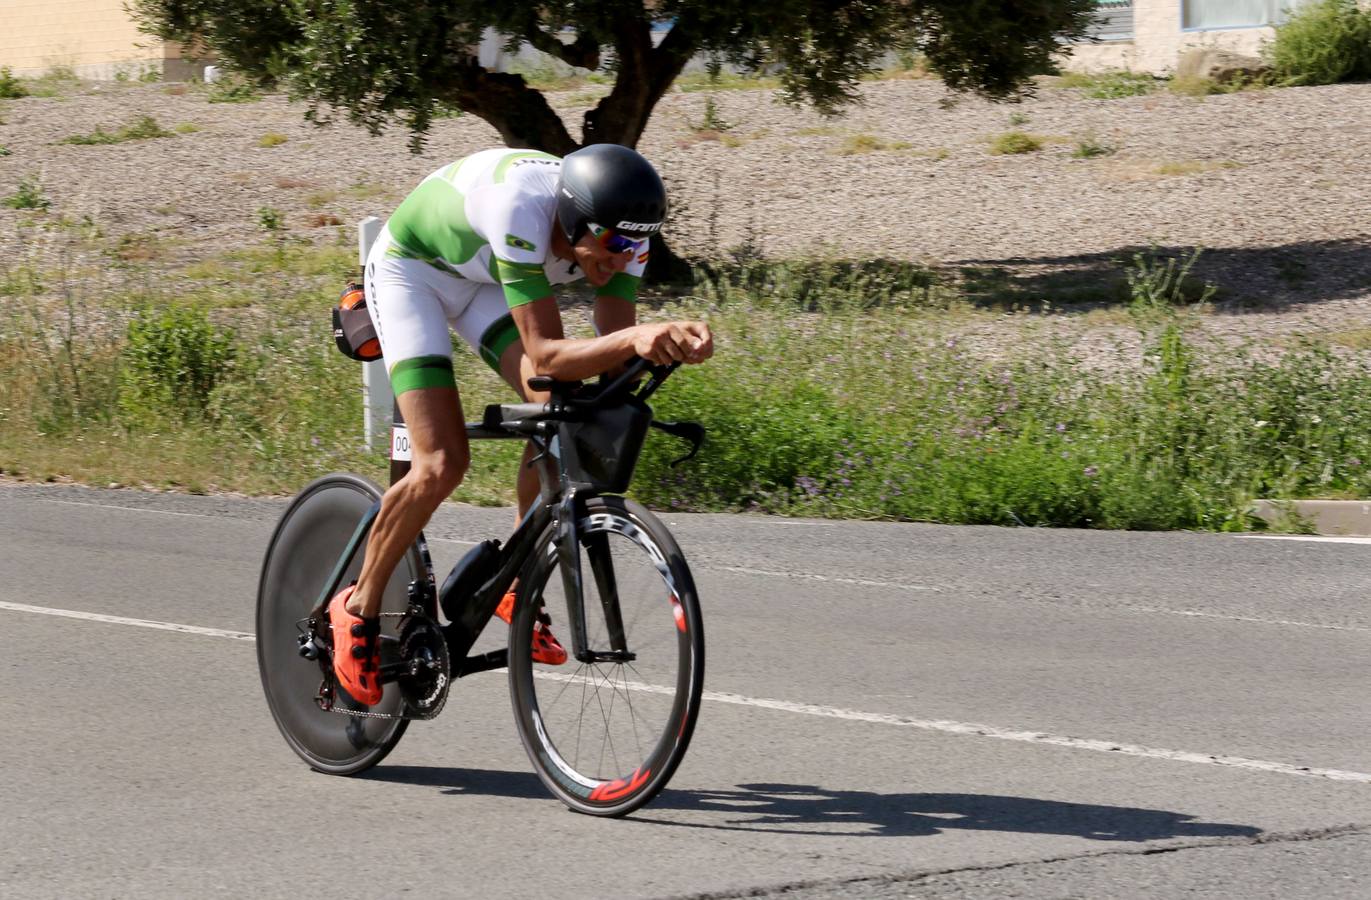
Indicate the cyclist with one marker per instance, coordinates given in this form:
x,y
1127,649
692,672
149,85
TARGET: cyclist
x,y
477,246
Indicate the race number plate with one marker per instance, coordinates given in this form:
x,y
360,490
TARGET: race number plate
x,y
399,443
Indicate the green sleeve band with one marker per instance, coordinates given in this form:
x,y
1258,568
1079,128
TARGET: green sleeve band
x,y
496,340
506,271
622,285
518,293
422,372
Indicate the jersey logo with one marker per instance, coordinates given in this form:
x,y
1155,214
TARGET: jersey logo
x,y
642,257
520,243
639,226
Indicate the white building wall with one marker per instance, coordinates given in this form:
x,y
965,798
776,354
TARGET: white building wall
x,y
1158,42
94,38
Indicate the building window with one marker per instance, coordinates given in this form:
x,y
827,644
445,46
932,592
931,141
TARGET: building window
x,y
1206,14
1114,21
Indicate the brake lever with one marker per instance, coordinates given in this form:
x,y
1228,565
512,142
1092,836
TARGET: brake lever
x,y
686,431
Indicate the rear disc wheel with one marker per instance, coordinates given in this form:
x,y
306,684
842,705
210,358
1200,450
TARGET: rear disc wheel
x,y
305,548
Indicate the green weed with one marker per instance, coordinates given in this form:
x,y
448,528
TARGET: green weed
x,y
272,139
232,89
11,88
1109,85
1091,147
712,120
57,82
141,129
1013,142
271,219
29,195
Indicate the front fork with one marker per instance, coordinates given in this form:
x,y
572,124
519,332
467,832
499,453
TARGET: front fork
x,y
568,542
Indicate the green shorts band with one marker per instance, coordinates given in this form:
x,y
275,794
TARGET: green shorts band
x,y
496,339
422,372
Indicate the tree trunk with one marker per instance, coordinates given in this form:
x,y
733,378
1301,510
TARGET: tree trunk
x,y
521,114
665,267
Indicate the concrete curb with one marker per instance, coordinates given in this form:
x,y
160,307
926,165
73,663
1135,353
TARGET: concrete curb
x,y
1334,517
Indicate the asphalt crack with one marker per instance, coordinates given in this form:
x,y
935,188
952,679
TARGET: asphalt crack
x,y
913,877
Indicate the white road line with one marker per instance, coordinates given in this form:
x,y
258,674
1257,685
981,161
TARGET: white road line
x,y
141,509
1317,538
809,576
990,731
1038,737
810,709
1254,619
124,620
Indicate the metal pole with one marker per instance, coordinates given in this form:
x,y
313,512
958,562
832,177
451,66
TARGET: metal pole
x,y
377,400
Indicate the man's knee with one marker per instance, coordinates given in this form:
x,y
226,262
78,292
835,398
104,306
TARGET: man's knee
x,y
439,473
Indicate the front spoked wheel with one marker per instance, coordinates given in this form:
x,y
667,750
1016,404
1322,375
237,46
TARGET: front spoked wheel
x,y
605,735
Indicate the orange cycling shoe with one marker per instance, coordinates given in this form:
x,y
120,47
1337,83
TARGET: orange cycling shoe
x,y
546,649
356,650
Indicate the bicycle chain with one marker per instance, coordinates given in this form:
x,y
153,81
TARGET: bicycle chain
x,y
324,697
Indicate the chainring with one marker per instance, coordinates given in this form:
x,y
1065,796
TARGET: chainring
x,y
425,684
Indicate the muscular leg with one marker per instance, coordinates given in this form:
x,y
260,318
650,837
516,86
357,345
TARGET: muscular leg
x,y
441,457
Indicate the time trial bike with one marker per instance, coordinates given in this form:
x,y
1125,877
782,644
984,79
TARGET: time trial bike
x,y
606,730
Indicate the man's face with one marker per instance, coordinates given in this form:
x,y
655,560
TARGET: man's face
x,y
602,255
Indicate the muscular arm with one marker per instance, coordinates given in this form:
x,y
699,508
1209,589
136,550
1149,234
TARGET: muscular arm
x,y
552,353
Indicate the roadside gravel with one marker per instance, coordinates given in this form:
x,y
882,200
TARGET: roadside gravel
x,y
1275,184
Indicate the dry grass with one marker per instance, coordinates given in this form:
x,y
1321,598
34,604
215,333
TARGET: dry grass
x,y
1352,338
1193,167
290,183
1140,169
869,143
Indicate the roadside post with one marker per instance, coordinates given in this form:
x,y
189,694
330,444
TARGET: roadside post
x,y
377,400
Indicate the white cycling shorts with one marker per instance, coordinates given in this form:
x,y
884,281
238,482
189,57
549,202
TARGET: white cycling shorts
x,y
413,304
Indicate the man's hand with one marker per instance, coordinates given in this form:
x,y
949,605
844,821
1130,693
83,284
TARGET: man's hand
x,y
665,343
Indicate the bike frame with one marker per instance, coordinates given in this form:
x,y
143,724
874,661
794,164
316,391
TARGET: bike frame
x,y
561,504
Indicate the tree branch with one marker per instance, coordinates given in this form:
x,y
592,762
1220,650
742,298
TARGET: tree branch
x,y
521,114
583,53
645,73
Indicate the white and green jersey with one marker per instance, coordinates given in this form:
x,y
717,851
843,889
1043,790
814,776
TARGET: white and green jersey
x,y
489,218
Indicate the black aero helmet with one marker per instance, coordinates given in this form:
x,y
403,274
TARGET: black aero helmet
x,y
612,186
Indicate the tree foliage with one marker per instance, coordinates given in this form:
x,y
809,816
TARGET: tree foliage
x,y
381,62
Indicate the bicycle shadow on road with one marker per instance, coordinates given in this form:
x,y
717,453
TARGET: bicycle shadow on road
x,y
807,809
451,780
802,809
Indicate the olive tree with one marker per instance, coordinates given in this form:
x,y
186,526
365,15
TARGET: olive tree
x,y
384,62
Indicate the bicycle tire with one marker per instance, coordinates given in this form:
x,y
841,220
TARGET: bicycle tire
x,y
660,689
304,549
